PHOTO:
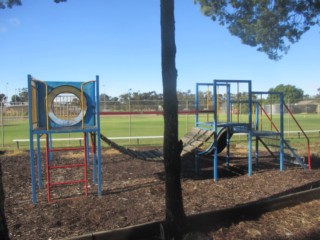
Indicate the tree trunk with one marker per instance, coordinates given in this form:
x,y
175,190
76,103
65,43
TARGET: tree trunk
x,y
3,223
175,216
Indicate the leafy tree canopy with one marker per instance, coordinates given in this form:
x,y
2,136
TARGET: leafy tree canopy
x,y
291,94
11,3
3,99
269,25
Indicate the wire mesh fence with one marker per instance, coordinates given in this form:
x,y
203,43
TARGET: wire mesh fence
x,y
144,117
70,106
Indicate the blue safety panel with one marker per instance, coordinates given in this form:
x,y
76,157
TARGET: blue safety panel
x,y
89,95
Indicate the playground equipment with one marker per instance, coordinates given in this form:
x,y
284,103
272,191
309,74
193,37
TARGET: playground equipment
x,y
64,108
224,126
194,139
214,121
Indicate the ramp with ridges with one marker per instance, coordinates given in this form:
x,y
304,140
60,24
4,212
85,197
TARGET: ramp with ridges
x,y
193,139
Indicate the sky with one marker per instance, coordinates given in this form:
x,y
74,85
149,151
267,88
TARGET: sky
x,y
120,42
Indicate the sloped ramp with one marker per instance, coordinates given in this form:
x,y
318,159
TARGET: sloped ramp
x,y
195,138
221,141
192,140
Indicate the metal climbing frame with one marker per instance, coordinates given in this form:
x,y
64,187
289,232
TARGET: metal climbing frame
x,y
274,130
239,127
225,122
251,125
46,120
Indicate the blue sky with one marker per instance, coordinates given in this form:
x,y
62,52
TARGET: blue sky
x,y
120,42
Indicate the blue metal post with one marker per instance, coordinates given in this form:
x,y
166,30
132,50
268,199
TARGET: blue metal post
x,y
228,147
215,144
228,103
39,162
281,133
257,116
50,147
98,138
256,129
93,136
197,105
33,178
249,129
228,121
95,159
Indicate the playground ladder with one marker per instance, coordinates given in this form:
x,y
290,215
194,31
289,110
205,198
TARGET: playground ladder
x,y
50,168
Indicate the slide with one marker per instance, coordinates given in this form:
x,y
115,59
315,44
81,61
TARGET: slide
x,y
221,141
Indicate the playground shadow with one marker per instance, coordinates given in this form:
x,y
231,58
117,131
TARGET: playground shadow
x,y
131,188
315,161
238,166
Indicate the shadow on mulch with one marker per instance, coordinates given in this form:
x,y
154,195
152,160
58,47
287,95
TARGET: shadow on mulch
x,y
238,167
315,161
130,188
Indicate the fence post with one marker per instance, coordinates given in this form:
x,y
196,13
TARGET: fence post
x,y
2,124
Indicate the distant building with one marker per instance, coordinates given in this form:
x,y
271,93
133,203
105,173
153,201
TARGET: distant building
x,y
305,106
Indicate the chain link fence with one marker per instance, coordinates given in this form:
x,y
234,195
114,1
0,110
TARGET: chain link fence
x,y
20,110
18,113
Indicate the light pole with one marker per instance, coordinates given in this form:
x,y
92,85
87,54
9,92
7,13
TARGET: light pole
x,y
104,97
7,90
129,98
2,102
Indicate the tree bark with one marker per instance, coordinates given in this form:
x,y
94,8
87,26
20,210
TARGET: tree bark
x,y
175,216
3,224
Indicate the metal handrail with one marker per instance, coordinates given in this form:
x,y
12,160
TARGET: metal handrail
x,y
299,126
269,118
305,135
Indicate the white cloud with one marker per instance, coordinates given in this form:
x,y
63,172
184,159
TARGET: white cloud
x,y
14,22
3,29
11,22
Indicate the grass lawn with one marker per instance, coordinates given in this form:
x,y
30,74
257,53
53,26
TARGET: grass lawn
x,y
152,125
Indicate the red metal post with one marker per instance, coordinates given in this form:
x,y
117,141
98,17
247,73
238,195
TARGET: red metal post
x,y
85,164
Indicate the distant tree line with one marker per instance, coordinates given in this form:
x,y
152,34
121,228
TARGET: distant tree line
x,y
292,94
19,98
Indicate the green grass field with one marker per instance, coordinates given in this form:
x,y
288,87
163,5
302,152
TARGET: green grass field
x,y
151,125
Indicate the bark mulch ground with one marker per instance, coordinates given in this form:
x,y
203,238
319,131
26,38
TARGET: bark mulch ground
x,y
133,193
